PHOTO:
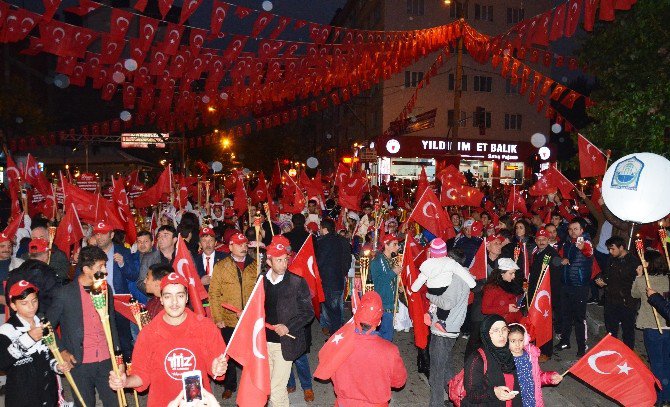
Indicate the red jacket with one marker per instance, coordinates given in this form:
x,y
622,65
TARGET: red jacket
x,y
495,300
366,377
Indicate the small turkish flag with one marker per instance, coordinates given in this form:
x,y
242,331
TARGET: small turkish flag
x,y
304,265
336,350
557,179
184,265
249,347
415,302
153,195
479,265
516,202
542,187
540,314
423,182
69,230
429,213
351,191
341,175
592,161
240,203
615,370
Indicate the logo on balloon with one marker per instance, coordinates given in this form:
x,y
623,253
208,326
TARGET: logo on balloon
x,y
393,146
627,174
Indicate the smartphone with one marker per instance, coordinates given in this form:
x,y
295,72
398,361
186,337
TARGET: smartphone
x,y
580,239
514,392
192,384
520,301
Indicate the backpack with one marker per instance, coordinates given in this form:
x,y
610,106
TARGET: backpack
x,y
456,388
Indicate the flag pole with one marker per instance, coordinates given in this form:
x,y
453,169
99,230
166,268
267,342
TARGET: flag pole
x,y
640,251
664,237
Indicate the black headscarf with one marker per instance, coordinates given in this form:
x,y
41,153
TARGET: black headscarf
x,y
502,355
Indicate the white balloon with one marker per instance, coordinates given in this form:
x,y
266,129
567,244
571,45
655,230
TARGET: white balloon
x,y
267,5
312,162
636,188
62,81
217,166
556,128
224,95
205,99
125,115
130,64
538,140
118,77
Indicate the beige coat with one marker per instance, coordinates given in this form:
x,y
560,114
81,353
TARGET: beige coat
x,y
231,286
645,316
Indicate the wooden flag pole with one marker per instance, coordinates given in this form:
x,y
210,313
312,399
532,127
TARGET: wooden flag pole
x,y
664,237
545,267
257,227
640,251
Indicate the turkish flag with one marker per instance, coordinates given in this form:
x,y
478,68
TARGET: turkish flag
x,y
451,176
590,8
50,7
342,174
592,161
164,7
304,265
516,202
146,32
219,11
153,195
436,220
615,370
123,306
249,347
557,179
35,177
260,193
351,191
478,267
542,187
188,8
541,34
120,198
293,200
276,179
84,7
264,18
574,12
540,313
240,203
13,174
184,265
558,23
119,23
13,226
335,351
313,187
69,230
461,195
413,254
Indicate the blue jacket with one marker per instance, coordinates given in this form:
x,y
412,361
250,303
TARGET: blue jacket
x,y
660,304
200,265
126,274
578,272
384,280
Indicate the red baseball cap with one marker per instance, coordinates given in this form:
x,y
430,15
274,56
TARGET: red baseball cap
x,y
389,238
369,310
102,227
174,278
38,245
491,238
239,238
278,247
542,232
207,231
21,286
477,228
5,238
312,227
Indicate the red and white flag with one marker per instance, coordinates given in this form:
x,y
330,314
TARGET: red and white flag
x,y
260,193
304,265
516,202
120,198
479,265
540,312
429,213
153,195
249,347
240,203
341,175
335,351
423,182
69,230
415,302
351,191
184,265
557,179
615,370
592,161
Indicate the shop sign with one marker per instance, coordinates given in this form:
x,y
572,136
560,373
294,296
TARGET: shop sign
x,y
410,146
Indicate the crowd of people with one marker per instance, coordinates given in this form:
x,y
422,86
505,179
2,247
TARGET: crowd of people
x,y
585,249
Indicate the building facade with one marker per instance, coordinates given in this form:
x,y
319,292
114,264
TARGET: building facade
x,y
498,148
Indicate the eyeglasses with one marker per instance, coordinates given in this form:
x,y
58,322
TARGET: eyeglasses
x,y
499,331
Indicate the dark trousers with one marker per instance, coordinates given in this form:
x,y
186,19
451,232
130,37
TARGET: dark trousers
x,y
90,377
304,373
573,307
616,314
441,367
125,336
603,260
658,350
332,308
230,381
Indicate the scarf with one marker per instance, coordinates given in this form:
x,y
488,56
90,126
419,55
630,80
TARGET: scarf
x,y
502,355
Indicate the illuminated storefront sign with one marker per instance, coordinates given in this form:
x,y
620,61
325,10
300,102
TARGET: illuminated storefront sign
x,y
408,146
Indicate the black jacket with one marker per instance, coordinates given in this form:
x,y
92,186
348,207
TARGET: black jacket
x,y
479,382
294,309
619,276
200,262
554,271
333,256
297,238
38,273
30,367
66,311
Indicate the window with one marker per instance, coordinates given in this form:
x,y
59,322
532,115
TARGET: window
x,y
484,13
486,118
415,7
452,81
483,83
512,121
514,15
412,79
509,88
456,10
450,118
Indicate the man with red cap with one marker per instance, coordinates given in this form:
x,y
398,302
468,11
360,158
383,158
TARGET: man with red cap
x,y
288,308
37,271
543,248
374,366
232,282
174,342
209,256
8,262
470,239
384,275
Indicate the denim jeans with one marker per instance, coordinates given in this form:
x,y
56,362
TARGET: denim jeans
x,y
658,351
333,307
304,374
386,327
441,367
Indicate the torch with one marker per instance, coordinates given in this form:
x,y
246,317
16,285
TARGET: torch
x,y
364,263
207,206
543,269
266,208
517,252
50,340
640,251
99,297
257,228
396,260
52,236
663,234
129,368
136,310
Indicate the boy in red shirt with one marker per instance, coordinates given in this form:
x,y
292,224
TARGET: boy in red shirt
x,y
174,342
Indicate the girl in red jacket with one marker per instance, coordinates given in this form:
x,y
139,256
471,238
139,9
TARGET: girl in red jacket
x,y
501,292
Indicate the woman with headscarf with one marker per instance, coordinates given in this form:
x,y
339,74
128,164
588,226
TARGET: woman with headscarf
x,y
490,374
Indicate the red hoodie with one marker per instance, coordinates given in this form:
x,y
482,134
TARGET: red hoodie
x,y
495,300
